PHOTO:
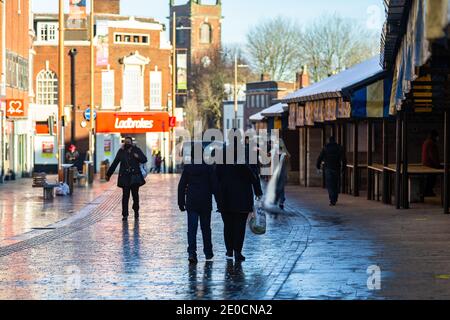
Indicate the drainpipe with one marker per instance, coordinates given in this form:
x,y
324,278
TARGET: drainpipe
x,y
73,53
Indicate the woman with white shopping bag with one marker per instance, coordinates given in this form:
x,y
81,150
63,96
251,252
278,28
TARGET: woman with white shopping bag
x,y
239,183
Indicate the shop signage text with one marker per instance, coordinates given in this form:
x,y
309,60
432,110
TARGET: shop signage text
x,y
132,123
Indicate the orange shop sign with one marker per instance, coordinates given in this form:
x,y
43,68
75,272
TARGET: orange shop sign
x,y
132,123
15,108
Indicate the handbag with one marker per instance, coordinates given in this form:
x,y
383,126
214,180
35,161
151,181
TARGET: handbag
x,y
137,178
144,171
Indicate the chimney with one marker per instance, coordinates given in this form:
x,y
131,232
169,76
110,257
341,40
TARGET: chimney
x,y
302,78
265,77
107,6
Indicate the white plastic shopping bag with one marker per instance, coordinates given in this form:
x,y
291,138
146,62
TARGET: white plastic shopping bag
x,y
257,221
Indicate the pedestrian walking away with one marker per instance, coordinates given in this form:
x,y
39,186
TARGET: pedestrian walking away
x,y
196,188
238,184
130,179
334,161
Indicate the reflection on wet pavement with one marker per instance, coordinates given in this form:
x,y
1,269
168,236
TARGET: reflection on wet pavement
x,y
147,259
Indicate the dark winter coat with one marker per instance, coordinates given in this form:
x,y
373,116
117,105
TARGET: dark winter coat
x,y
197,185
334,157
239,183
129,166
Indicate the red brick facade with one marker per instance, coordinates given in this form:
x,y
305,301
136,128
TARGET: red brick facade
x,y
158,55
107,6
192,16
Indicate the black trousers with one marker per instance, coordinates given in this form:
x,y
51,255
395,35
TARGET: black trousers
x,y
234,230
134,191
332,183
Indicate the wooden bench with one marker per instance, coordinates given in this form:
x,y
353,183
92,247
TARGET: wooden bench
x,y
39,180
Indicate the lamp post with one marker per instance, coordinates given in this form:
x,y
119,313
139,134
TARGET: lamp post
x,y
61,120
92,78
174,88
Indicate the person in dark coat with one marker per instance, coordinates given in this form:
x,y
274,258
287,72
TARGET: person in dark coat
x,y
130,157
197,185
430,158
239,182
334,159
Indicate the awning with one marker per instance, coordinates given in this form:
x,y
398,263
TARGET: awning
x,y
332,87
256,117
371,99
275,110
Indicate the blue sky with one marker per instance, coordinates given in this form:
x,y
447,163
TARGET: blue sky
x,y
240,15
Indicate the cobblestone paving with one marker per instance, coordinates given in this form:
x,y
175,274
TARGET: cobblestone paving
x,y
313,252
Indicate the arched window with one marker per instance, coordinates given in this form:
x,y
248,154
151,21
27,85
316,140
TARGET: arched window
x,y
47,88
205,34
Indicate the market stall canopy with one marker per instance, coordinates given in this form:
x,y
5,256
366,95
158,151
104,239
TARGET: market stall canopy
x,y
257,117
276,110
332,87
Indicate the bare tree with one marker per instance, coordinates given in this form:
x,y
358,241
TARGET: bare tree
x,y
328,45
273,47
333,43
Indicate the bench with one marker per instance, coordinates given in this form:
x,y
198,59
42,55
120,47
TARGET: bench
x,y
49,191
39,180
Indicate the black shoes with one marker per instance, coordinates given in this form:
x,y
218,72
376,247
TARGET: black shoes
x,y
136,215
229,255
193,259
282,207
209,257
125,218
239,257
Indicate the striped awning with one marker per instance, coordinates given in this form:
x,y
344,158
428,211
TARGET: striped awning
x,y
372,101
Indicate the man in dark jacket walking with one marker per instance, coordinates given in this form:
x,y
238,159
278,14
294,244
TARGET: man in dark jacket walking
x,y
130,158
335,161
197,185
239,183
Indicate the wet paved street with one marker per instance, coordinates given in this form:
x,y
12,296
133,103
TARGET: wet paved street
x,y
312,253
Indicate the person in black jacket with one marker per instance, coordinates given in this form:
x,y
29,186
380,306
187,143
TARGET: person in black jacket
x,y
239,182
333,156
130,157
197,185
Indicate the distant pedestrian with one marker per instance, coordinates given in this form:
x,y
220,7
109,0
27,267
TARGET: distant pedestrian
x,y
158,162
334,159
73,156
197,186
430,158
239,183
130,157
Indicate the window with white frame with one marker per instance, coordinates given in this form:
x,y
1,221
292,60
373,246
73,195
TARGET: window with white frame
x,y
133,85
108,89
46,88
155,90
47,31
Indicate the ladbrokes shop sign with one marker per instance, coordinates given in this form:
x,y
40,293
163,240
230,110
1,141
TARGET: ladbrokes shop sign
x,y
132,123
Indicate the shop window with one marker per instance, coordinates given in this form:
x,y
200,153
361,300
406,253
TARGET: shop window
x,y
47,88
130,38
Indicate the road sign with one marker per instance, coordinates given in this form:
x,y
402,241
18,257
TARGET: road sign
x,y
87,114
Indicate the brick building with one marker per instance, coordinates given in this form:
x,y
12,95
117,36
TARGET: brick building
x,y
132,75
16,61
198,36
263,94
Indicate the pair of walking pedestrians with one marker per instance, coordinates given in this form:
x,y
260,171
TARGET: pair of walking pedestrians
x,y
234,187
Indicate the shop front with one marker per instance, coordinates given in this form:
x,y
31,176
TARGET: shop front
x,y
150,131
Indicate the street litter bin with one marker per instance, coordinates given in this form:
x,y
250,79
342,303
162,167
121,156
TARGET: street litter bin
x,y
88,171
